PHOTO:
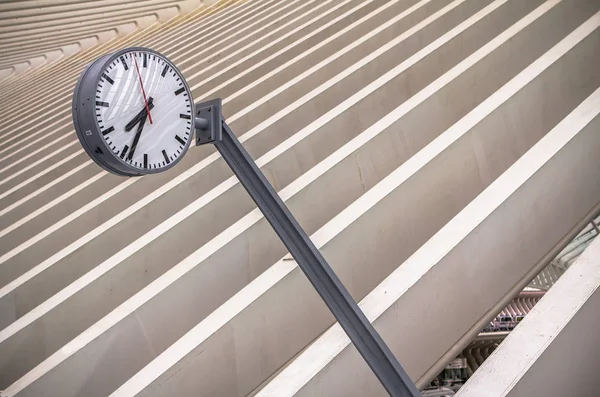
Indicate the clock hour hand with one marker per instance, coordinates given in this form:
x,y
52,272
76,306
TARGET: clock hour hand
x,y
137,137
139,116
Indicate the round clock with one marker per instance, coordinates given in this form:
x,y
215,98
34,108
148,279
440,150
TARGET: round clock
x,y
133,112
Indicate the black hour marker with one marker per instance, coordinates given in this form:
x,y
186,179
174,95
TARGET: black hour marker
x,y
111,81
145,61
179,91
100,103
185,116
179,140
108,130
164,71
145,160
124,64
166,157
124,151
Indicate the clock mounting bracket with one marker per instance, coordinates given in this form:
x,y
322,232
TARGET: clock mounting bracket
x,y
208,122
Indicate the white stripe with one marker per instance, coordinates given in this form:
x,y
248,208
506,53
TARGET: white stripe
x,y
212,25
222,31
263,27
46,187
310,50
32,165
36,163
325,118
324,62
165,280
31,153
280,39
34,125
76,66
65,220
60,94
224,186
268,279
377,83
52,203
212,77
40,174
206,49
79,61
333,341
30,135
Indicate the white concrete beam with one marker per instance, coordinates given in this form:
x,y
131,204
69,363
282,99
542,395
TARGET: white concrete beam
x,y
157,37
332,93
126,29
165,14
88,43
36,7
55,55
430,66
63,220
454,257
37,61
21,67
555,351
49,19
186,6
7,72
70,49
81,9
271,305
191,39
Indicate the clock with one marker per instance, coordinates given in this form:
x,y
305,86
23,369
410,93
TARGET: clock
x,y
133,112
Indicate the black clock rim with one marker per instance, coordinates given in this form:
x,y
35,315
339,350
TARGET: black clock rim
x,y
88,81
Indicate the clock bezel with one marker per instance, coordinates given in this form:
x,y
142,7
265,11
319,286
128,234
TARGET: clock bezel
x,y
86,124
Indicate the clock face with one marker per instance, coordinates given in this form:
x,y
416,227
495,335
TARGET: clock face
x,y
143,110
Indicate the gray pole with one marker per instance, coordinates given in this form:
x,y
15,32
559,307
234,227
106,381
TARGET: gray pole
x,y
212,129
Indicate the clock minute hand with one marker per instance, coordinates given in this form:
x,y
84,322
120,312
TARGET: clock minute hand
x,y
139,116
137,137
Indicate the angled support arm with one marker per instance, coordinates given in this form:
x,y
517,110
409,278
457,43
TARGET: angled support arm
x,y
210,128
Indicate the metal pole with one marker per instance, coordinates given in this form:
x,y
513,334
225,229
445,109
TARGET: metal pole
x,y
360,331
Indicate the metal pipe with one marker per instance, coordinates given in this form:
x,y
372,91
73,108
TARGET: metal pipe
x,y
200,123
440,393
595,226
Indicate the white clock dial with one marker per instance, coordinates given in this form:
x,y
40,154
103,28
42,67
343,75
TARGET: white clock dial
x,y
144,110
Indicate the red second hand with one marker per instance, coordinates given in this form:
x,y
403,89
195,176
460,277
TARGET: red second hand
x,y
143,92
